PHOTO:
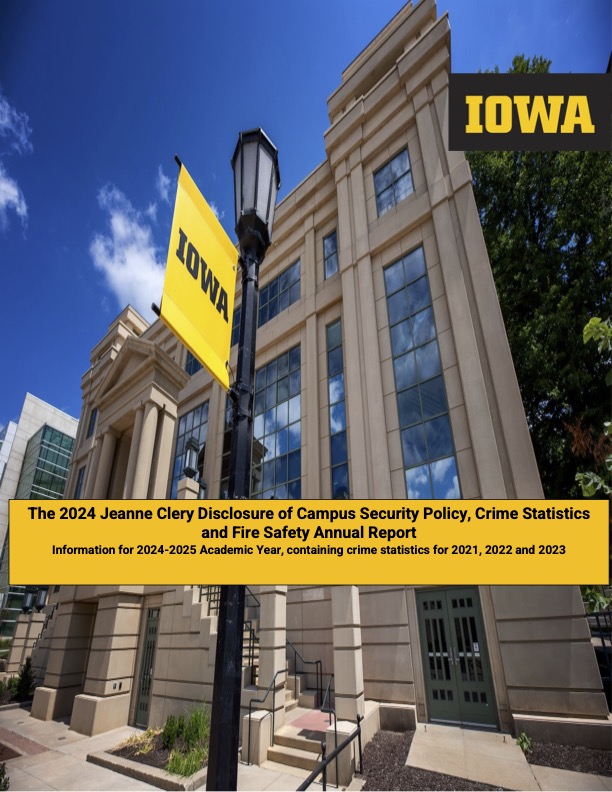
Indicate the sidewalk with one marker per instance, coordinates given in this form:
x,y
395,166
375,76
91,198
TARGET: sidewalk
x,y
50,756
490,758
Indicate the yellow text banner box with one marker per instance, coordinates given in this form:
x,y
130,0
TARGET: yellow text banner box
x,y
314,542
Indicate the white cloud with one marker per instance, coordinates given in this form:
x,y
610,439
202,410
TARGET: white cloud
x,y
215,208
151,211
15,133
11,198
163,185
127,255
15,126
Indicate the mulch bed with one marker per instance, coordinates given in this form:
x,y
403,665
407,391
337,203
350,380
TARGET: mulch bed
x,y
156,757
571,757
384,767
384,764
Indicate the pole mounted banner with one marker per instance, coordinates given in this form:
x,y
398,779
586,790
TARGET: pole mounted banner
x,y
200,283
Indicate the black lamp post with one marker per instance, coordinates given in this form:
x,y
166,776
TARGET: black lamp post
x,y
256,183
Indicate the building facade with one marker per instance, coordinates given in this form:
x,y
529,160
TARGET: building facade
x,y
383,371
34,461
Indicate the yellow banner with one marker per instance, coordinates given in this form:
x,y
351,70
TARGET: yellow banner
x,y
318,542
200,283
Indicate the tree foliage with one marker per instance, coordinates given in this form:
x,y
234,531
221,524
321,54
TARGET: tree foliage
x,y
547,225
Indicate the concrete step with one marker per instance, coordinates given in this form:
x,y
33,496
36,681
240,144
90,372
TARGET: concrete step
x,y
308,699
286,738
290,704
294,757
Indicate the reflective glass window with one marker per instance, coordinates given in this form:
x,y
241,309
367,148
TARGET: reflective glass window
x,y
330,254
279,294
426,436
192,424
337,411
393,182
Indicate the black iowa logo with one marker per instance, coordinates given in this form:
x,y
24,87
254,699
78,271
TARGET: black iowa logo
x,y
198,268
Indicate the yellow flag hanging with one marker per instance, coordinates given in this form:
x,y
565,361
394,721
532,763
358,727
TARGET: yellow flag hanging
x,y
200,282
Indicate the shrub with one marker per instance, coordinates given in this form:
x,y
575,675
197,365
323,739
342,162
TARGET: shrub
x,y
25,680
11,686
170,732
524,742
186,764
197,728
4,779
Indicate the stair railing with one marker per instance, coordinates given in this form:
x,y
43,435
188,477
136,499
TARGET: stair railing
x,y
325,760
262,701
329,710
318,671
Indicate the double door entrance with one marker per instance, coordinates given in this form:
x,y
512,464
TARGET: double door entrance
x,y
455,660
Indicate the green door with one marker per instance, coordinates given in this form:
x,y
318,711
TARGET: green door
x,y
456,666
146,669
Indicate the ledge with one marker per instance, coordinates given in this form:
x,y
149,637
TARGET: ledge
x,y
150,775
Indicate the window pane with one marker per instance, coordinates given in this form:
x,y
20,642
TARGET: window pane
x,y
329,245
294,293
294,436
294,465
394,277
445,479
433,397
401,338
339,451
282,415
414,264
413,445
428,360
382,178
294,383
294,358
336,388
418,294
294,409
385,201
283,389
439,438
340,481
423,326
331,265
334,335
397,306
282,365
403,188
334,361
409,407
417,483
405,371
399,165
337,418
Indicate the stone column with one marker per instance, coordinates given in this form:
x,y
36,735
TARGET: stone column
x,y
146,446
348,662
94,462
105,466
131,468
188,489
272,647
163,455
104,703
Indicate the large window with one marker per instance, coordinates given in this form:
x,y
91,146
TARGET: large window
x,y
277,428
427,441
280,293
393,182
337,412
44,470
192,364
93,415
192,424
78,489
276,468
330,254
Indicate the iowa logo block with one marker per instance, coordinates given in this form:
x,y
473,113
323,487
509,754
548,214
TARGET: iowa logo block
x,y
530,112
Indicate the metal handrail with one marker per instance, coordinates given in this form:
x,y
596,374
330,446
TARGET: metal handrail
x,y
318,670
325,760
331,711
261,701
249,593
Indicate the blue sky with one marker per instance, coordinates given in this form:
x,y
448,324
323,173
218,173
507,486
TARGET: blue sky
x,y
96,98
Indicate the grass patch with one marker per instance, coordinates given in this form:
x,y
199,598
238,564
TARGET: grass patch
x,y
181,747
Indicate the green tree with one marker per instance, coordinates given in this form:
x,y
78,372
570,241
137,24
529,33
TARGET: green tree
x,y
547,225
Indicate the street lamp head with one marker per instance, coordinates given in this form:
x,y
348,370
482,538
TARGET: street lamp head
x,y
256,183
191,458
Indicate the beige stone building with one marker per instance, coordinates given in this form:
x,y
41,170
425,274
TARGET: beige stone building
x,y
383,371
